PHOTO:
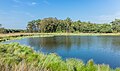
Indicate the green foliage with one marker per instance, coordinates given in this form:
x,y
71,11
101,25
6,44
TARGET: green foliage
x,y
116,25
14,57
105,28
117,69
90,66
104,68
2,30
14,31
51,25
75,65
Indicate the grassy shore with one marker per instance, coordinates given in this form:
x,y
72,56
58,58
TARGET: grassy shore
x,y
57,34
5,37
15,57
79,34
10,36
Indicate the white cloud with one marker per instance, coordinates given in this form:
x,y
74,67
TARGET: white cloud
x,y
33,3
23,3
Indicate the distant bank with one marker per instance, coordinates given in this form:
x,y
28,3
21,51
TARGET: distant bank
x,y
58,34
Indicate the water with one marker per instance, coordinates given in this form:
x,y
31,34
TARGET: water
x,y
102,49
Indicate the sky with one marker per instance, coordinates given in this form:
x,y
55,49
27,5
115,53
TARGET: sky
x,y
15,14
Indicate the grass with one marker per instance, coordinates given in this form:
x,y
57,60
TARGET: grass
x,y
12,36
6,37
81,34
15,57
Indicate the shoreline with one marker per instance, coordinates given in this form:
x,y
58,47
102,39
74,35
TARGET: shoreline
x,y
12,36
57,34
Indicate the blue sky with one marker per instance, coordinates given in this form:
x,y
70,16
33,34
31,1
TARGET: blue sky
x,y
16,13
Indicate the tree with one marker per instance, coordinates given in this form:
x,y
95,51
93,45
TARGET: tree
x,y
116,25
2,30
68,23
31,27
106,28
50,25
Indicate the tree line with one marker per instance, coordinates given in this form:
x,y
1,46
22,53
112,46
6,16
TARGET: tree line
x,y
4,30
51,25
54,25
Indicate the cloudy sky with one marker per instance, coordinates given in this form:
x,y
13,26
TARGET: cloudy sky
x,y
16,13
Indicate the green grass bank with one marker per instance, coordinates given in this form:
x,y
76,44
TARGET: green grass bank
x,y
12,36
16,57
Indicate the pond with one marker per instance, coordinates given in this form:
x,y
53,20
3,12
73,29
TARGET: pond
x,y
102,49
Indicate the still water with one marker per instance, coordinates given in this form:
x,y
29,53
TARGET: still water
x,y
102,49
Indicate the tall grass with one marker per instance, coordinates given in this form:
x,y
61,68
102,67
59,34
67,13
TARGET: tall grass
x,y
15,57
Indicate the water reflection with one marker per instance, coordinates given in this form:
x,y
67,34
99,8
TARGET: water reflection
x,y
49,43
68,42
